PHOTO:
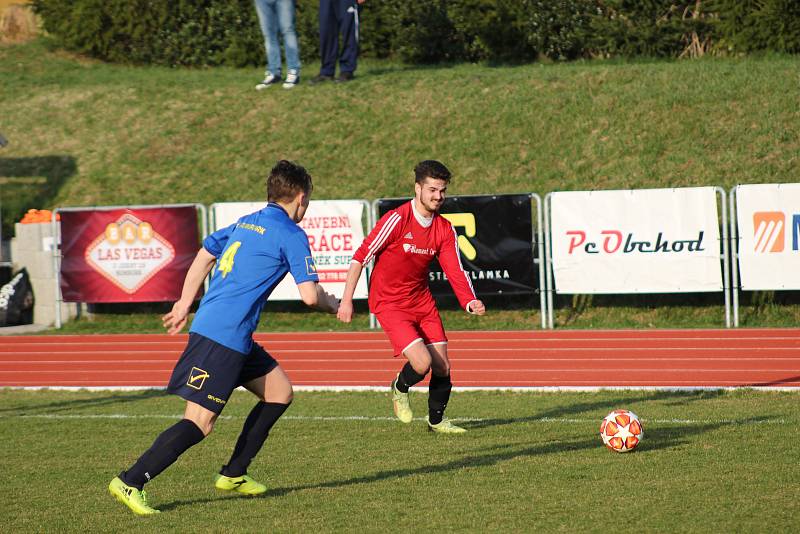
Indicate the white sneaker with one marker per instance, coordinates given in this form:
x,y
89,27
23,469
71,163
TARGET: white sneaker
x,y
269,79
292,79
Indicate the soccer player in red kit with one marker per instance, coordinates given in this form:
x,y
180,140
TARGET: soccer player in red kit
x,y
403,244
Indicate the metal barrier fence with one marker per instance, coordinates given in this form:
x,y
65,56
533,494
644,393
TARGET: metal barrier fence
x,y
733,234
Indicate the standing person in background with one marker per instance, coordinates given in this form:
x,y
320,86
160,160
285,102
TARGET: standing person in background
x,y
275,16
252,256
338,17
403,244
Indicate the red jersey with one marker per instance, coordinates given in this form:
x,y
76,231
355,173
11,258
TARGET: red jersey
x,y
403,250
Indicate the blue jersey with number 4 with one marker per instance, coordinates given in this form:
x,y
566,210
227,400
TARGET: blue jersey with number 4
x,y
253,255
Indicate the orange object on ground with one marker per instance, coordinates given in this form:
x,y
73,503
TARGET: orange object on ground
x,y
38,216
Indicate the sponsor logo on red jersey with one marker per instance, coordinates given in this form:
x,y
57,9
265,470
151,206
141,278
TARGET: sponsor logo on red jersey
x,y
410,248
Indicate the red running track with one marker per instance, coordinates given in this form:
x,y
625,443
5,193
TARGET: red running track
x,y
566,359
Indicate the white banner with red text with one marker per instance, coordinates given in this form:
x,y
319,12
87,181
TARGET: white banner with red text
x,y
636,241
334,229
768,224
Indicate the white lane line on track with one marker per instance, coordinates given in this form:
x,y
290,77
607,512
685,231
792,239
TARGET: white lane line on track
x,y
382,340
359,418
117,360
453,351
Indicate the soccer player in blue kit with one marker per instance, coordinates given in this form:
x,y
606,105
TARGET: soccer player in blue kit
x,y
252,256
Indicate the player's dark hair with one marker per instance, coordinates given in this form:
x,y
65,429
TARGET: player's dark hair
x,y
285,180
431,168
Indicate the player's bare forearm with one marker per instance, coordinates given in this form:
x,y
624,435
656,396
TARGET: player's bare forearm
x,y
176,319
345,313
196,275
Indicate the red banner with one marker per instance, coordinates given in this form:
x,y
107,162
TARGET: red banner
x,y
127,255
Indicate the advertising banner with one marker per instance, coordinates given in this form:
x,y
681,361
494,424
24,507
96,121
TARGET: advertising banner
x,y
126,255
636,241
768,223
495,239
334,230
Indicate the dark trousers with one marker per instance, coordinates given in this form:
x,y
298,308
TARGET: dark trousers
x,y
338,17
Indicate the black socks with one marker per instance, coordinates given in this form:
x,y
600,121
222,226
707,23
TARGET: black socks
x,y
175,440
438,395
407,378
438,391
254,433
167,447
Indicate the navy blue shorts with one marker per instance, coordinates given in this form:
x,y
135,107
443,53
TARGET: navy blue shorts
x,y
207,372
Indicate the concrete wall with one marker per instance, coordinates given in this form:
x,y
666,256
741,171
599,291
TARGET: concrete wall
x,y
32,249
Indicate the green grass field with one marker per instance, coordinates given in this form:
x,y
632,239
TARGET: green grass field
x,y
710,461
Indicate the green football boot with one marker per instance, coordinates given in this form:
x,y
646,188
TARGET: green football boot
x,y
402,409
243,484
445,427
131,497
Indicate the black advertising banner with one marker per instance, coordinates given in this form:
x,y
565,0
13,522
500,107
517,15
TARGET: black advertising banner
x,y
495,239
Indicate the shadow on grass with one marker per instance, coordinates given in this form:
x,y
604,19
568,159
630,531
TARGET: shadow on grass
x,y
31,182
677,398
371,72
93,402
658,439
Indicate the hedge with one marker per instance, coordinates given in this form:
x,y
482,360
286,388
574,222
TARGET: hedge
x,y
225,32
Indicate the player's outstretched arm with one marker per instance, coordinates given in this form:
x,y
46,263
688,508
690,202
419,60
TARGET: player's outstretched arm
x,y
315,296
345,313
175,320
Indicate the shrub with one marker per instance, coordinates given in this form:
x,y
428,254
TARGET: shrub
x,y
652,28
557,29
225,32
758,25
426,34
491,29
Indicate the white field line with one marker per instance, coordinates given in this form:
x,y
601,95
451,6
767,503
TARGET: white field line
x,y
463,389
465,372
378,419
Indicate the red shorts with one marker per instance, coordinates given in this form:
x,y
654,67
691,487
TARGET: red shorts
x,y
405,328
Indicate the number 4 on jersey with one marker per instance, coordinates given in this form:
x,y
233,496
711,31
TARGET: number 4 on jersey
x,y
226,261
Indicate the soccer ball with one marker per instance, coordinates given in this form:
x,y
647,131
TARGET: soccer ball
x,y
621,431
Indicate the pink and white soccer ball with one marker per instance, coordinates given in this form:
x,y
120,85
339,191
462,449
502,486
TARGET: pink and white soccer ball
x,y
621,431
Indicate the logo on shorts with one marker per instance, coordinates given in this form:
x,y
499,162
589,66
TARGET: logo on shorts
x,y
311,267
212,398
197,377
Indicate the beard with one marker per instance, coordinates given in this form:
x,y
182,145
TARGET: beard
x,y
431,205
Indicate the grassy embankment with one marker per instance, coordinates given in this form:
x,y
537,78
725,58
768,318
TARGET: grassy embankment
x,y
88,133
